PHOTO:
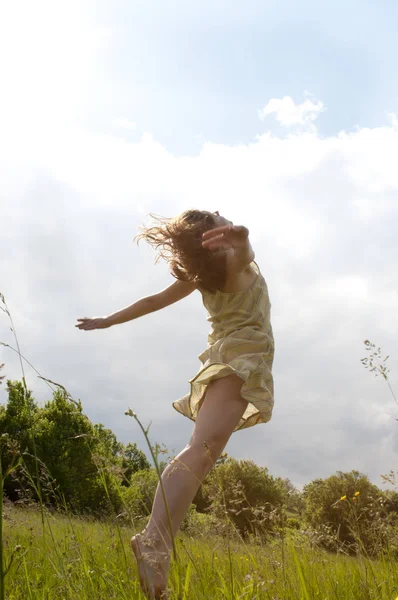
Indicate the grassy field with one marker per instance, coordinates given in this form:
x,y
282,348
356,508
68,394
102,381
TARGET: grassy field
x,y
72,558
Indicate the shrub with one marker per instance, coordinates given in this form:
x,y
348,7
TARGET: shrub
x,y
138,497
351,510
245,494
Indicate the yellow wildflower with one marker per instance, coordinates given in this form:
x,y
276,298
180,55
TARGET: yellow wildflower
x,y
357,493
343,498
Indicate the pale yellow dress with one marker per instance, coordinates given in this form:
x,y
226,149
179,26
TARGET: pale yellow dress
x,y
241,341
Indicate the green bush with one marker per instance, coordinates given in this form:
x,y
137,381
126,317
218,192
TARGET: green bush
x,y
203,525
72,461
138,497
244,494
348,508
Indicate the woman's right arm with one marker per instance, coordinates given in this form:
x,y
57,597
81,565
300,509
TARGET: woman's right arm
x,y
174,292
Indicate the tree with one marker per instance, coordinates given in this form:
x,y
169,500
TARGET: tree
x,y
139,496
78,463
67,443
293,500
133,460
17,420
345,503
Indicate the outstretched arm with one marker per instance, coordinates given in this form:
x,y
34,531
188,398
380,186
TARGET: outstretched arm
x,y
173,293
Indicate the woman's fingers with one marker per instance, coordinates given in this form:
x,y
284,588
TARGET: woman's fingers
x,y
218,242
221,237
94,323
213,239
226,230
86,323
227,236
217,230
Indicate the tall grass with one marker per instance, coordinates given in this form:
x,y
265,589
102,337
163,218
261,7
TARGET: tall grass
x,y
85,560
48,553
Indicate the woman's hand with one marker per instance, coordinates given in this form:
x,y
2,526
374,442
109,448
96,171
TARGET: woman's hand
x,y
227,236
95,323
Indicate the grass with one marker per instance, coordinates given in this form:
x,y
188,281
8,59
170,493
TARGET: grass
x,y
74,558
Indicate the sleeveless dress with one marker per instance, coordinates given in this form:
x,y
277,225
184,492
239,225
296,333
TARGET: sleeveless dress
x,y
241,341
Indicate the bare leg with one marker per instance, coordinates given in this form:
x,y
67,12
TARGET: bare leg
x,y
220,412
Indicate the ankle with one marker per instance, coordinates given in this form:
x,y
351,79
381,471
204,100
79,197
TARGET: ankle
x,y
155,541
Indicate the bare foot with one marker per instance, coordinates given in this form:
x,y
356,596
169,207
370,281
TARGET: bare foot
x,y
153,566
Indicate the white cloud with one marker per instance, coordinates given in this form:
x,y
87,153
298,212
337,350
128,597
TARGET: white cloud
x,y
323,218
125,124
288,113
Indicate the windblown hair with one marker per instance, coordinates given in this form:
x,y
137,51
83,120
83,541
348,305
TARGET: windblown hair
x,y
179,241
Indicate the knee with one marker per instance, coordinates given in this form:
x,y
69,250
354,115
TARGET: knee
x,y
206,451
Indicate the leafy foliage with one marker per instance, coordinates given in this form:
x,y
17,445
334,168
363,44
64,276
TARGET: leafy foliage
x,y
138,497
245,493
79,463
353,510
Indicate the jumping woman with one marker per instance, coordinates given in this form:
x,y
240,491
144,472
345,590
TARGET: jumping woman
x,y
234,387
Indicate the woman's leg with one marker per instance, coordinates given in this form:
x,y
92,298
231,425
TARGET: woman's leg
x,y
218,416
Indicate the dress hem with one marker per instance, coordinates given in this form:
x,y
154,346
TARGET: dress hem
x,y
258,417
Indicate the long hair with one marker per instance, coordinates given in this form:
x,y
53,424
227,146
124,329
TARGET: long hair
x,y
178,240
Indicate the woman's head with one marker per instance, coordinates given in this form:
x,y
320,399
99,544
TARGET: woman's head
x,y
179,241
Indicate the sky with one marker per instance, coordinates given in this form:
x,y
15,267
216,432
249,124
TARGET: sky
x,y
282,116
